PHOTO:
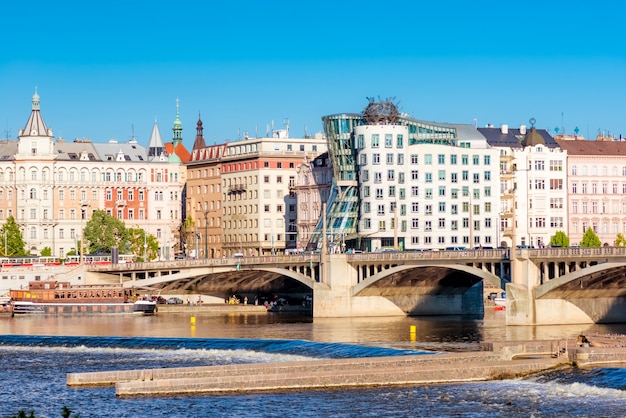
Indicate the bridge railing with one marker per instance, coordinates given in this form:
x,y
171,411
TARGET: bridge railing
x,y
214,262
577,252
499,254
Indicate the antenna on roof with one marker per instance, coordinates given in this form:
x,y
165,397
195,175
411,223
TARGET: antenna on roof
x,y
132,138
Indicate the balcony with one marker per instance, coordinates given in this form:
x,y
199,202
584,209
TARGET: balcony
x,y
237,188
120,202
85,203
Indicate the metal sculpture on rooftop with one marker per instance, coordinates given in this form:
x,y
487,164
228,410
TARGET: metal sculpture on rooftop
x,y
381,112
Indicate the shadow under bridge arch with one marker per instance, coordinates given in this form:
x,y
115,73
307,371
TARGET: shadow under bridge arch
x,y
222,281
431,289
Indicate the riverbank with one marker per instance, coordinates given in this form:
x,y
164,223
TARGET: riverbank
x,y
211,308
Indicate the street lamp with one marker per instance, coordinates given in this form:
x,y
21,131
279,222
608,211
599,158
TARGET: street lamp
x,y
145,246
206,234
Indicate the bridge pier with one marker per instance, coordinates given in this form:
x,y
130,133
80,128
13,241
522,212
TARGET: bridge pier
x,y
524,308
334,298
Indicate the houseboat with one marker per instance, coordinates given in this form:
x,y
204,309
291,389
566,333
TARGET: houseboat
x,y
57,298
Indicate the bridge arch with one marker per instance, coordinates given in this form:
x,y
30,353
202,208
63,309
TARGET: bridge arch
x,y
601,278
384,274
220,279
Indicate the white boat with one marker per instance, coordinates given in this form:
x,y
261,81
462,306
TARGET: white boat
x,y
145,307
500,302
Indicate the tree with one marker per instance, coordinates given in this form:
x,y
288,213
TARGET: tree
x,y
186,234
559,239
590,239
137,238
13,244
104,232
46,251
620,241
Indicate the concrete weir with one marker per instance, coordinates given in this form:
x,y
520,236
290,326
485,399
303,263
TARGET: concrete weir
x,y
498,360
317,374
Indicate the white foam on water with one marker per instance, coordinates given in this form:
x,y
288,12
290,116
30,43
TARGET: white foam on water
x,y
180,354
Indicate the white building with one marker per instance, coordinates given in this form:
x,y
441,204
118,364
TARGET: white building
x,y
419,193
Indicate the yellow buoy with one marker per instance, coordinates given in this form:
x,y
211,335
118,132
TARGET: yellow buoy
x,y
193,319
413,329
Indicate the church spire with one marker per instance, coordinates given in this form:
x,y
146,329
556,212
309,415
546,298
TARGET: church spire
x,y
177,128
155,146
199,143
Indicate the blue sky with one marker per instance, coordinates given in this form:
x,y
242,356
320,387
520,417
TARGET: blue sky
x,y
102,68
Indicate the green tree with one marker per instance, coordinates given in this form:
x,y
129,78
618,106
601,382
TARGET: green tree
x,y
13,243
590,239
620,241
104,232
46,251
187,230
137,239
559,239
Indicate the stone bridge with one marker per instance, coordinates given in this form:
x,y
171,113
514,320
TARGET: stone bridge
x,y
548,286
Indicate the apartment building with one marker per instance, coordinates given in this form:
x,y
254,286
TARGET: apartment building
x,y
596,186
52,186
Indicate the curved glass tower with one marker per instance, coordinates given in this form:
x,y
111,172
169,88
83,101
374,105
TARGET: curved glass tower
x,y
343,206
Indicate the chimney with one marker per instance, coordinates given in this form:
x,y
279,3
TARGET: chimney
x,y
522,129
504,128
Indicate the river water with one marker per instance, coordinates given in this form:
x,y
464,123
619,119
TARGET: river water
x,y
36,353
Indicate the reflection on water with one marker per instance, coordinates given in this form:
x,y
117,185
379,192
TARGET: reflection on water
x,y
437,333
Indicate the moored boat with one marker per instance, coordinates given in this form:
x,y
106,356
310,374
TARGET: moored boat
x,y
54,298
145,306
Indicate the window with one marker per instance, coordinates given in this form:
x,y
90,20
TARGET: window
x,y
428,159
375,141
557,184
361,141
388,140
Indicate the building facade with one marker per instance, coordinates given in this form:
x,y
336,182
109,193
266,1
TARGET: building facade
x,y
533,179
596,185
246,190
51,187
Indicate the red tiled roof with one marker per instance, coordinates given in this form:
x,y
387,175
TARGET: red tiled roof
x,y
180,150
577,147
